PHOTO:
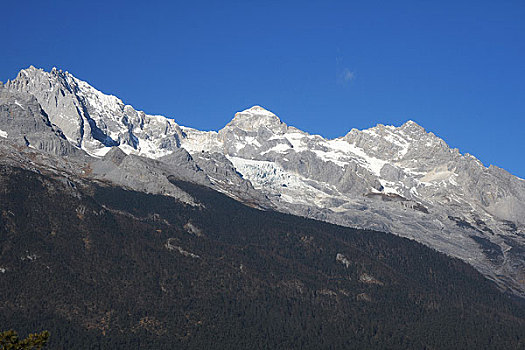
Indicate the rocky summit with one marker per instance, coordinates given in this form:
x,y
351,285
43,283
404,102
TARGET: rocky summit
x,y
402,180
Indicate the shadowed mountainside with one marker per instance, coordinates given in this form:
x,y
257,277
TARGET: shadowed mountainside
x,y
104,267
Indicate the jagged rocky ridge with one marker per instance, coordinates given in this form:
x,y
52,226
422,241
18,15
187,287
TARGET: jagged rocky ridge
x,y
401,180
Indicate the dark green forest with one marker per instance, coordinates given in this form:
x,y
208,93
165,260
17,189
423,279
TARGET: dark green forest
x,y
101,267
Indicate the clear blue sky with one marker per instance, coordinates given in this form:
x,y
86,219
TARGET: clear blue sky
x,y
455,67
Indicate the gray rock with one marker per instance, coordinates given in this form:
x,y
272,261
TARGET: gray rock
x,y
402,180
24,122
92,120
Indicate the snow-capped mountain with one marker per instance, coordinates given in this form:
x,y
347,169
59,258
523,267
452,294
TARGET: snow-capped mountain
x,y
396,179
402,180
95,121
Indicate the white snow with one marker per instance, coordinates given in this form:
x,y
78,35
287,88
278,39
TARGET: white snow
x,y
101,102
270,177
276,137
372,163
250,140
331,156
279,148
258,110
99,152
3,134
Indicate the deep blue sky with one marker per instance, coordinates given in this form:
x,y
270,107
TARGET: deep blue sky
x,y
455,67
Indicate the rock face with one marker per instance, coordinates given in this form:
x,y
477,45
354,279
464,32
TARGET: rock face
x,y
24,122
95,121
402,180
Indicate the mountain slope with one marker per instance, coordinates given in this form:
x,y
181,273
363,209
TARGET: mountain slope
x,y
25,123
104,267
401,180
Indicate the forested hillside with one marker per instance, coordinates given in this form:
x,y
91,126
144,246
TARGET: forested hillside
x,y
102,267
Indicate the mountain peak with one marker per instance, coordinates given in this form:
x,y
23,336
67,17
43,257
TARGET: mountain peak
x,y
28,71
412,125
255,117
258,110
